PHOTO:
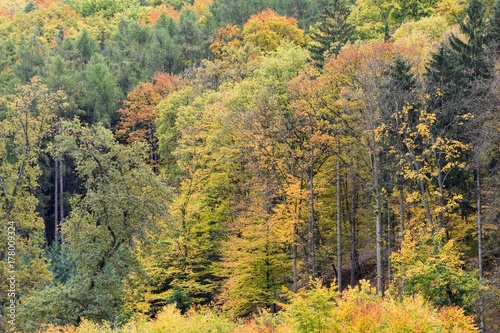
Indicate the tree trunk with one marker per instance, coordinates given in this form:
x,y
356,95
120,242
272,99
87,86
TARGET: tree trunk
x,y
441,192
401,213
61,198
339,224
311,222
294,249
56,201
480,248
389,235
378,236
354,241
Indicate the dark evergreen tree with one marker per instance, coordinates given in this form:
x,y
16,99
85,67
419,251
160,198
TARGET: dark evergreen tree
x,y
494,27
194,42
30,56
332,33
168,51
86,46
101,93
235,12
470,53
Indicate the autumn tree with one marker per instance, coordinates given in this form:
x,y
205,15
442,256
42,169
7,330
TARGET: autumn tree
x,y
137,121
120,202
27,120
267,29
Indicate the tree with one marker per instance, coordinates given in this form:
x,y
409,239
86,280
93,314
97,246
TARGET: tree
x,y
470,53
101,93
268,29
137,121
494,26
255,259
333,32
86,47
27,120
193,41
120,202
434,267
167,54
30,56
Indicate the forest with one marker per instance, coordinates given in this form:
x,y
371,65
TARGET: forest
x,y
249,166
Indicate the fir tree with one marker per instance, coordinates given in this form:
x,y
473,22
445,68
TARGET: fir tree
x,y
494,27
332,33
470,53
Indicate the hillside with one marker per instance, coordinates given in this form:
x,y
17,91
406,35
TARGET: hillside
x,y
249,166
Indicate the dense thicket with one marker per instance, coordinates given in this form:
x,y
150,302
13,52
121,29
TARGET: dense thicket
x,y
234,153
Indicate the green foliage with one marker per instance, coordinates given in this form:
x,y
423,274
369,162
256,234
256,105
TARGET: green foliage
x,y
30,56
101,96
333,32
470,53
431,28
63,268
377,19
310,310
249,144
86,46
107,8
435,269
120,202
26,120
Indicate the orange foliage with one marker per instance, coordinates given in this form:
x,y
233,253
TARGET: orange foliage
x,y
137,114
47,3
227,37
268,29
157,11
4,12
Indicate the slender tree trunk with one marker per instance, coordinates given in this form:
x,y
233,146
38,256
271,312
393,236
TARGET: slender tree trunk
x,y
480,248
339,223
401,213
441,195
56,201
61,198
354,241
298,205
378,236
311,222
389,235
295,278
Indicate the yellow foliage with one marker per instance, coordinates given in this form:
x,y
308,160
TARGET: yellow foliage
x,y
268,29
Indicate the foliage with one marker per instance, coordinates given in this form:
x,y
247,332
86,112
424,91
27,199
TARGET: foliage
x,y
332,33
107,8
317,310
267,29
434,269
246,163
360,309
26,120
120,202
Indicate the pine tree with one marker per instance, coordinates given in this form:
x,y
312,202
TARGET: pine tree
x,y
470,53
332,33
494,26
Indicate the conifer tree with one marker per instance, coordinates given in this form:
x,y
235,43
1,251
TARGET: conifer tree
x,y
332,33
494,26
470,53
